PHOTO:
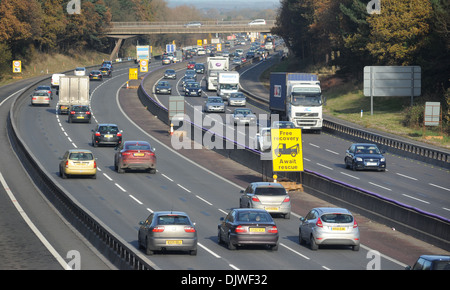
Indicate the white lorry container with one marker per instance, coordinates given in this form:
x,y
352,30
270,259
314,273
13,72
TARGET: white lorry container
x,y
214,65
297,97
73,90
227,83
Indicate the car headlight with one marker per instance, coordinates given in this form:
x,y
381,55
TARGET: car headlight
x,y
382,159
359,159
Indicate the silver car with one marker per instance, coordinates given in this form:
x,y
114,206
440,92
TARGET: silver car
x,y
214,104
329,226
266,195
243,116
167,230
237,99
41,97
263,141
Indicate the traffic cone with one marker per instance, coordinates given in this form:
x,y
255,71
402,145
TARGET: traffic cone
x,y
171,129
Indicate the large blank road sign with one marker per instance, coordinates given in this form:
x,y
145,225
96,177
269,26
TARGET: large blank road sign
x,y
287,151
392,81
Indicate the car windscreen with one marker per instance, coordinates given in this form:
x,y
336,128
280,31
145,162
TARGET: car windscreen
x,y
137,147
108,129
337,218
249,216
172,220
81,156
270,191
80,109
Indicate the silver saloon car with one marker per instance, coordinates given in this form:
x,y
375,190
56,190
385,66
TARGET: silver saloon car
x,y
243,116
269,196
214,104
237,99
167,231
329,226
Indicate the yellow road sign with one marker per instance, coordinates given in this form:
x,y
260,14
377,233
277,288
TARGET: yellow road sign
x,y
133,74
144,65
287,150
17,66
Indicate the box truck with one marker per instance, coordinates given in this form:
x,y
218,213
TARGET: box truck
x,y
73,90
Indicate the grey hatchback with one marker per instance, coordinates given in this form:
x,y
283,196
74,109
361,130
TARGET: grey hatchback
x,y
269,196
329,226
167,230
79,113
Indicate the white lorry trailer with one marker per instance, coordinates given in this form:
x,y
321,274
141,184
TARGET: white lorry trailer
x,y
227,83
73,90
297,97
214,65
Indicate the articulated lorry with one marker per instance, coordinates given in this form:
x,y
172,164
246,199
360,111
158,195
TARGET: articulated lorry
x,y
214,65
143,52
297,97
73,90
227,83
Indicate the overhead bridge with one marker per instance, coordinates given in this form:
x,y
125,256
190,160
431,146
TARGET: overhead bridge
x,y
129,29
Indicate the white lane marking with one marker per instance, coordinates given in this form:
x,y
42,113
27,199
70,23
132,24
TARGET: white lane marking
x,y
202,199
294,251
167,177
336,153
135,199
222,211
32,226
121,188
444,188
324,166
209,251
233,266
107,176
406,176
415,198
183,187
380,186
314,145
349,175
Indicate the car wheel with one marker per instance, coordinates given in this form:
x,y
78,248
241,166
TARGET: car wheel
x,y
147,248
230,244
274,248
346,164
62,174
193,252
219,237
287,216
355,248
94,176
152,170
120,169
312,243
301,241
353,166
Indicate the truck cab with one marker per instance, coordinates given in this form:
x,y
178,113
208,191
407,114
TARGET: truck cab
x,y
227,83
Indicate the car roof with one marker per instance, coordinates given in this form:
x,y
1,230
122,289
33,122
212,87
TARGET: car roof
x,y
267,184
107,124
136,142
168,212
40,91
364,144
324,210
435,257
79,150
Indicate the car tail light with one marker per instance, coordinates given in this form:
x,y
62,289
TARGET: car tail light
x,y
273,230
97,134
88,113
126,153
319,223
189,229
355,224
67,163
34,98
240,229
72,112
287,199
47,98
119,134
255,198
152,154
95,164
158,229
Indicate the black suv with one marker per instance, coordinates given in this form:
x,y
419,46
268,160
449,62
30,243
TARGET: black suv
x,y
106,134
79,113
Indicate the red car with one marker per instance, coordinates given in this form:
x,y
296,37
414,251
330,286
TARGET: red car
x,y
191,65
135,155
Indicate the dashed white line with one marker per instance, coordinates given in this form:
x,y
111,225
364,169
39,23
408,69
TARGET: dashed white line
x,y
135,199
183,187
380,186
121,188
314,145
202,199
331,151
406,176
107,176
209,251
324,166
167,177
349,175
439,186
415,198
294,251
233,266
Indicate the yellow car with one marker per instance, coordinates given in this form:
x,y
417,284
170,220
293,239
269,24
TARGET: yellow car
x,y
78,162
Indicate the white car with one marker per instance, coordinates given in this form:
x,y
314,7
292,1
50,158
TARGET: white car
x,y
263,141
257,22
80,71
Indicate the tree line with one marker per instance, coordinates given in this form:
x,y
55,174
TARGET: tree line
x,y
403,32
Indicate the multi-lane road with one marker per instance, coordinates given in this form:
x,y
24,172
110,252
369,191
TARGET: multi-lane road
x,y
122,200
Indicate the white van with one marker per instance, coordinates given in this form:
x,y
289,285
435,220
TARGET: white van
x,y
55,80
